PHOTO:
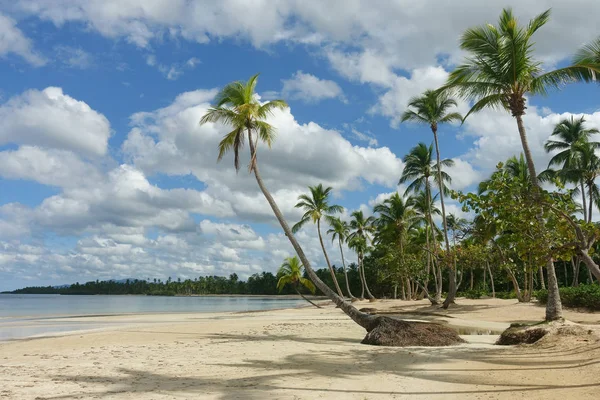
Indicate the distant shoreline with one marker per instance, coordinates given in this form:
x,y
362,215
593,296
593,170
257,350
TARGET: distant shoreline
x,y
256,296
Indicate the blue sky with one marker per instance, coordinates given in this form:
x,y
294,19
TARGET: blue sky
x,y
104,172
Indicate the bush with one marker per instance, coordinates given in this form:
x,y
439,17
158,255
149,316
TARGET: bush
x,y
474,293
583,296
506,295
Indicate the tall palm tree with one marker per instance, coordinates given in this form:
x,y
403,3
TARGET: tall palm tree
x,y
358,239
499,72
589,170
316,206
571,133
237,106
290,273
340,230
433,108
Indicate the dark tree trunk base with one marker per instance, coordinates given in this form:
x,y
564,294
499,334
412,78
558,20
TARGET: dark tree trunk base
x,y
387,331
549,331
372,300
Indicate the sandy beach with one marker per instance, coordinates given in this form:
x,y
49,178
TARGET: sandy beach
x,y
304,353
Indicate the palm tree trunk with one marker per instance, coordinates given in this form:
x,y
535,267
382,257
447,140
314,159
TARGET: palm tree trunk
x,y
541,272
409,289
362,280
436,271
515,283
582,188
301,295
591,203
345,271
576,269
362,263
452,278
471,286
335,282
365,320
428,268
491,278
554,305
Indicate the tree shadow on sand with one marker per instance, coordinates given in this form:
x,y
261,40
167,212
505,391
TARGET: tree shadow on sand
x,y
263,377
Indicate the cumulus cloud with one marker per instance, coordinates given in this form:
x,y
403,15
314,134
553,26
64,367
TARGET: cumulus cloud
x,y
51,118
12,40
310,89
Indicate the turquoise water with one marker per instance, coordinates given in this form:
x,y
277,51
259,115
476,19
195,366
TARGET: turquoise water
x,y
29,315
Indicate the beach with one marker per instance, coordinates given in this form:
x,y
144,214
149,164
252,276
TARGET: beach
x,y
301,353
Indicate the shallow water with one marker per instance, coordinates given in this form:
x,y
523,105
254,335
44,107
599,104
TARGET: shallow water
x,y
24,316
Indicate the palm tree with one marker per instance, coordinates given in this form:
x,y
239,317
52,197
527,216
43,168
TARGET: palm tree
x,y
358,240
316,206
290,273
499,72
571,133
237,106
396,219
432,108
340,230
425,207
395,222
589,170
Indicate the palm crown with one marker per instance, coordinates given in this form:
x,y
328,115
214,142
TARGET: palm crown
x,y
570,133
316,206
237,106
360,226
290,272
431,108
339,230
501,69
419,166
396,218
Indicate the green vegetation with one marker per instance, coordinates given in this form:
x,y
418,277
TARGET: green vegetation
x,y
584,296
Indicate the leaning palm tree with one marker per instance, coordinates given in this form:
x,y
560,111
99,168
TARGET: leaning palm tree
x,y
499,72
340,230
237,106
569,134
432,109
316,206
358,239
290,273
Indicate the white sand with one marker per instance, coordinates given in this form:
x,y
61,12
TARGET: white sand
x,y
299,354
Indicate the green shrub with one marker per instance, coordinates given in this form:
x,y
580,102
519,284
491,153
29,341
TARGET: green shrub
x,y
475,293
506,295
583,296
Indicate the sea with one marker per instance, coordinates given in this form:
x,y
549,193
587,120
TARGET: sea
x,y
30,315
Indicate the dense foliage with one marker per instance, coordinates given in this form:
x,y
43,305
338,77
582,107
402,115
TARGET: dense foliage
x,y
583,296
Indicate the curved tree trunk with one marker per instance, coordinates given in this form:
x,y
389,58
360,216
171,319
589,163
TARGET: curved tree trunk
x,y
297,291
554,305
451,274
362,263
582,188
491,278
365,320
335,282
362,280
542,283
345,271
436,269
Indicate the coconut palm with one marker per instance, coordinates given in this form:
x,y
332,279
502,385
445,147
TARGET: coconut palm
x,y
499,72
316,206
433,108
358,239
569,134
237,106
290,273
588,170
340,230
396,219
425,207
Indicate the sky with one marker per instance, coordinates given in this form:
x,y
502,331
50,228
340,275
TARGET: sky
x,y
105,172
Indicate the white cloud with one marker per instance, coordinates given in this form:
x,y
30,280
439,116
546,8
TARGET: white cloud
x,y
174,70
53,119
310,89
169,140
12,40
